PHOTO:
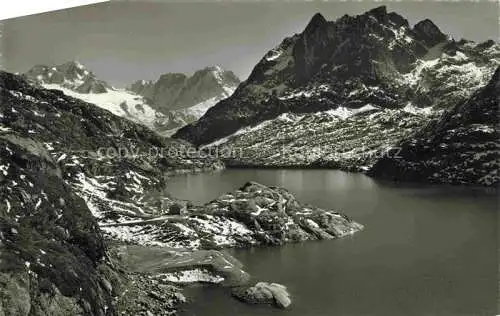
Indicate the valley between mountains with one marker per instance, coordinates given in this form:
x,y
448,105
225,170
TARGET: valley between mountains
x,y
366,93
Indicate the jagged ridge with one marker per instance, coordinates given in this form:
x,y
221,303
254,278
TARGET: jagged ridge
x,y
374,58
144,102
176,91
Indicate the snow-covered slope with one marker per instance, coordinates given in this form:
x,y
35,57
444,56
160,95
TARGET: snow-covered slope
x,y
199,109
119,102
348,139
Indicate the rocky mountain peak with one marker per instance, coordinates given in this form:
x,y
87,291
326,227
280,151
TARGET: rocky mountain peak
x,y
374,44
72,75
380,13
140,86
398,20
176,91
427,32
73,70
172,78
220,75
317,21
73,64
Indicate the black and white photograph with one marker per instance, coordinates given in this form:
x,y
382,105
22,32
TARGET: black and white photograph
x,y
250,158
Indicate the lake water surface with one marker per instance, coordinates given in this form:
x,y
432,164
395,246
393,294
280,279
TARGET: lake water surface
x,y
425,251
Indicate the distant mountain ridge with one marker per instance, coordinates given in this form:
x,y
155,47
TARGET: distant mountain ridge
x,y
177,91
374,58
172,102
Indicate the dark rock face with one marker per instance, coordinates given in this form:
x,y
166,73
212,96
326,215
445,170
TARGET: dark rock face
x,y
427,32
311,48
52,258
374,58
175,91
461,148
71,75
165,90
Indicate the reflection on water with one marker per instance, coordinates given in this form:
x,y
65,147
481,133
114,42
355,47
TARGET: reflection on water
x,y
425,250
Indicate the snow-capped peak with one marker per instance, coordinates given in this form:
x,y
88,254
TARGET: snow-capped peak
x,y
71,75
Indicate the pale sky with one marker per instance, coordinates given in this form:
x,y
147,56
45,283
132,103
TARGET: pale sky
x,y
124,41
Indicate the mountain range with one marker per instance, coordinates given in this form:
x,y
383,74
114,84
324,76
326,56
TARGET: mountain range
x,y
341,92
165,105
375,58
71,75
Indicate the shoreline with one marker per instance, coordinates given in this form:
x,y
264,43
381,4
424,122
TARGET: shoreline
x,y
355,171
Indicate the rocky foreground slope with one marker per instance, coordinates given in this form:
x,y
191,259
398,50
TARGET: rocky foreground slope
x,y
73,175
52,253
54,259
462,147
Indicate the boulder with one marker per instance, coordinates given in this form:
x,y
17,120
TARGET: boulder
x,y
265,293
177,208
